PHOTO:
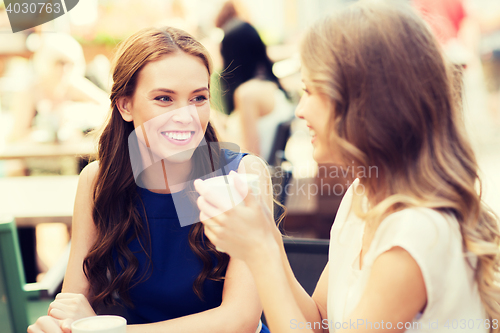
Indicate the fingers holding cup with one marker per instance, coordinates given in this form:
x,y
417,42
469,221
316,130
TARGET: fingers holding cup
x,y
210,226
207,210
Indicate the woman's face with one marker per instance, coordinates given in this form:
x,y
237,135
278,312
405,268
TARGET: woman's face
x,y
170,106
315,109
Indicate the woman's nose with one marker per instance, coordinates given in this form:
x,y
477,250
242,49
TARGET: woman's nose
x,y
299,110
182,116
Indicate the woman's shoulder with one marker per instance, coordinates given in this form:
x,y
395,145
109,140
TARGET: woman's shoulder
x,y
82,215
421,220
232,154
91,169
252,164
427,234
89,174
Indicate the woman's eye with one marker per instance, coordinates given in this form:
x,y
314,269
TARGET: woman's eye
x,y
199,99
163,99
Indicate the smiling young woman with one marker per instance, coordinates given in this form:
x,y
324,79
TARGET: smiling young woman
x,y
128,243
414,248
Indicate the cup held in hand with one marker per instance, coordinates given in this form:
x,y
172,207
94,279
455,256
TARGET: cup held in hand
x,y
100,324
224,193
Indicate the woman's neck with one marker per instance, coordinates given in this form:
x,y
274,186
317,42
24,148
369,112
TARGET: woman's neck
x,y
166,177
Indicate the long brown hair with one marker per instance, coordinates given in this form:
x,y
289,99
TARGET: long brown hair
x,y
395,106
115,210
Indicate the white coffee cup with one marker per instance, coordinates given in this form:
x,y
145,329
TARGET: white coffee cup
x,y
226,194
100,324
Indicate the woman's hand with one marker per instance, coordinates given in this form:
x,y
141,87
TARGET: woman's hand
x,y
69,307
242,231
46,324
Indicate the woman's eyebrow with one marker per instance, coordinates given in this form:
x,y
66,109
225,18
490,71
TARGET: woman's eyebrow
x,y
200,90
168,91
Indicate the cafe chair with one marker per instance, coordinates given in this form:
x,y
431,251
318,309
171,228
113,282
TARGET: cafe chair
x,y
283,132
22,303
280,175
308,258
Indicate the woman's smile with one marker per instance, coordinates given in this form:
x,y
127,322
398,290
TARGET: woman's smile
x,y
312,132
179,137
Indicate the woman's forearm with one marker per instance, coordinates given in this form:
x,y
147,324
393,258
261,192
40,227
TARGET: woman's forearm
x,y
280,298
223,319
306,303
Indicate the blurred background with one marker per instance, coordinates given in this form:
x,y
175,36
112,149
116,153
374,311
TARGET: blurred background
x,y
55,80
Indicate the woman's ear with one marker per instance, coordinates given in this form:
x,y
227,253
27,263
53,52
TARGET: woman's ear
x,y
123,104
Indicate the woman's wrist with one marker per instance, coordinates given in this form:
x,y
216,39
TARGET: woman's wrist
x,y
278,236
263,253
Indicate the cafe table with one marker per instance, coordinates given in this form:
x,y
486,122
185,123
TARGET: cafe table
x,y
38,199
83,148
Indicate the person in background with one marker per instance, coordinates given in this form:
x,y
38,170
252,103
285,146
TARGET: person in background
x,y
128,241
413,246
58,80
445,17
56,103
449,20
252,93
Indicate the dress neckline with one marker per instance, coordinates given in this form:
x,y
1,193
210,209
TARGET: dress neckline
x,y
147,191
357,260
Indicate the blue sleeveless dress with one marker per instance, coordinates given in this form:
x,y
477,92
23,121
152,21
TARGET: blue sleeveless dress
x,y
167,291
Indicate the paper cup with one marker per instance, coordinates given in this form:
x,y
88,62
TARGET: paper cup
x,y
100,324
225,193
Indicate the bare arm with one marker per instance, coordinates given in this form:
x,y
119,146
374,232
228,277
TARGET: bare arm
x,y
83,233
388,297
313,309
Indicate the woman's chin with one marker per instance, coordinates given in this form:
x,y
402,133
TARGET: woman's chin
x,y
322,157
180,157
318,156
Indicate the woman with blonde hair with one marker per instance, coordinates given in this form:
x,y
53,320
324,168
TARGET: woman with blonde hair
x,y
413,247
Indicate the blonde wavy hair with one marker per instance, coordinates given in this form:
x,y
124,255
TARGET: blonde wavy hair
x,y
395,105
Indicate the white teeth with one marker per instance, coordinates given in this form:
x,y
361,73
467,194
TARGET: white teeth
x,y
312,132
181,136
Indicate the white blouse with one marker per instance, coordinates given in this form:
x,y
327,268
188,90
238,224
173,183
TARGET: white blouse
x,y
434,240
